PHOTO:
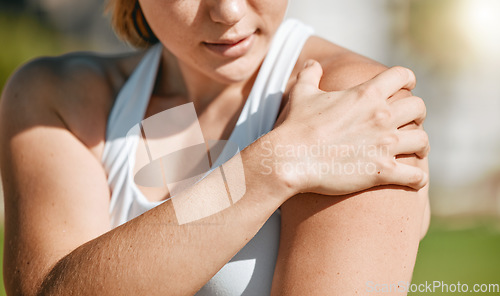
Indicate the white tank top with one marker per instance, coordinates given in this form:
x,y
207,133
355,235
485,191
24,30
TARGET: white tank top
x,y
250,271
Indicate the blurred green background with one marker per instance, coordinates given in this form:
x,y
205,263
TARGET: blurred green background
x,y
452,45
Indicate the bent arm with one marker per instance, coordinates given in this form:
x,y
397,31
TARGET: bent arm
x,y
346,245
58,236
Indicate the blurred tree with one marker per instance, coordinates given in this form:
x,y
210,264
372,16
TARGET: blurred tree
x,y
13,4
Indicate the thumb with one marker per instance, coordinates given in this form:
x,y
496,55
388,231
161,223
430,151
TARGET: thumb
x,y
311,74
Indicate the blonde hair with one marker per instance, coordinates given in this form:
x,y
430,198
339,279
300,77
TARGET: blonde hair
x,y
129,23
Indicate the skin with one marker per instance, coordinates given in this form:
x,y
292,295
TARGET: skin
x,y
58,235
369,236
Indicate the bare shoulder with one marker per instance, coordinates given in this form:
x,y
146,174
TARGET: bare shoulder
x,y
53,114
77,89
342,68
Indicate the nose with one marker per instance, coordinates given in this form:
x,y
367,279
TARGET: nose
x,y
228,12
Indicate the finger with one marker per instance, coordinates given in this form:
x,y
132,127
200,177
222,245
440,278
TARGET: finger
x,y
390,82
407,110
413,141
311,74
405,175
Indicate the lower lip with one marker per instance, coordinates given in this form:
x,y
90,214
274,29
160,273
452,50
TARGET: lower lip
x,y
232,50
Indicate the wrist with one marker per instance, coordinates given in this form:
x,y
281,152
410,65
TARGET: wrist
x,y
268,168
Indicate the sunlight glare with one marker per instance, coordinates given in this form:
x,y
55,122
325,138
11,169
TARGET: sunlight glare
x,y
481,22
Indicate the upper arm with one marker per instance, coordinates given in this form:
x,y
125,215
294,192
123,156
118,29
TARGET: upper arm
x,y
335,245
55,190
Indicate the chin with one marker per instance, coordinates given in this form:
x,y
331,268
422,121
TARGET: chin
x,y
239,70
232,77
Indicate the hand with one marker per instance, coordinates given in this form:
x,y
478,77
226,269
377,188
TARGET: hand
x,y
342,142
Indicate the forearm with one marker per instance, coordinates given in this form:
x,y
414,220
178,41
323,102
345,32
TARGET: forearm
x,y
154,254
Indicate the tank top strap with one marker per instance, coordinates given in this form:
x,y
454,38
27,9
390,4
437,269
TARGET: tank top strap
x,y
131,103
262,106
260,111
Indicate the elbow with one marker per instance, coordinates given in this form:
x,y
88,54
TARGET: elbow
x,y
20,288
51,284
28,282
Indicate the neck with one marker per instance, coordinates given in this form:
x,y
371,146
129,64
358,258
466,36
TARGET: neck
x,y
177,79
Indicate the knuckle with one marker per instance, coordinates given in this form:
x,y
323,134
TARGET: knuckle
x,y
416,178
389,165
301,74
390,140
369,91
382,117
425,151
423,140
402,72
420,106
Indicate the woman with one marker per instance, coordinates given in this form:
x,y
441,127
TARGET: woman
x,y
77,224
